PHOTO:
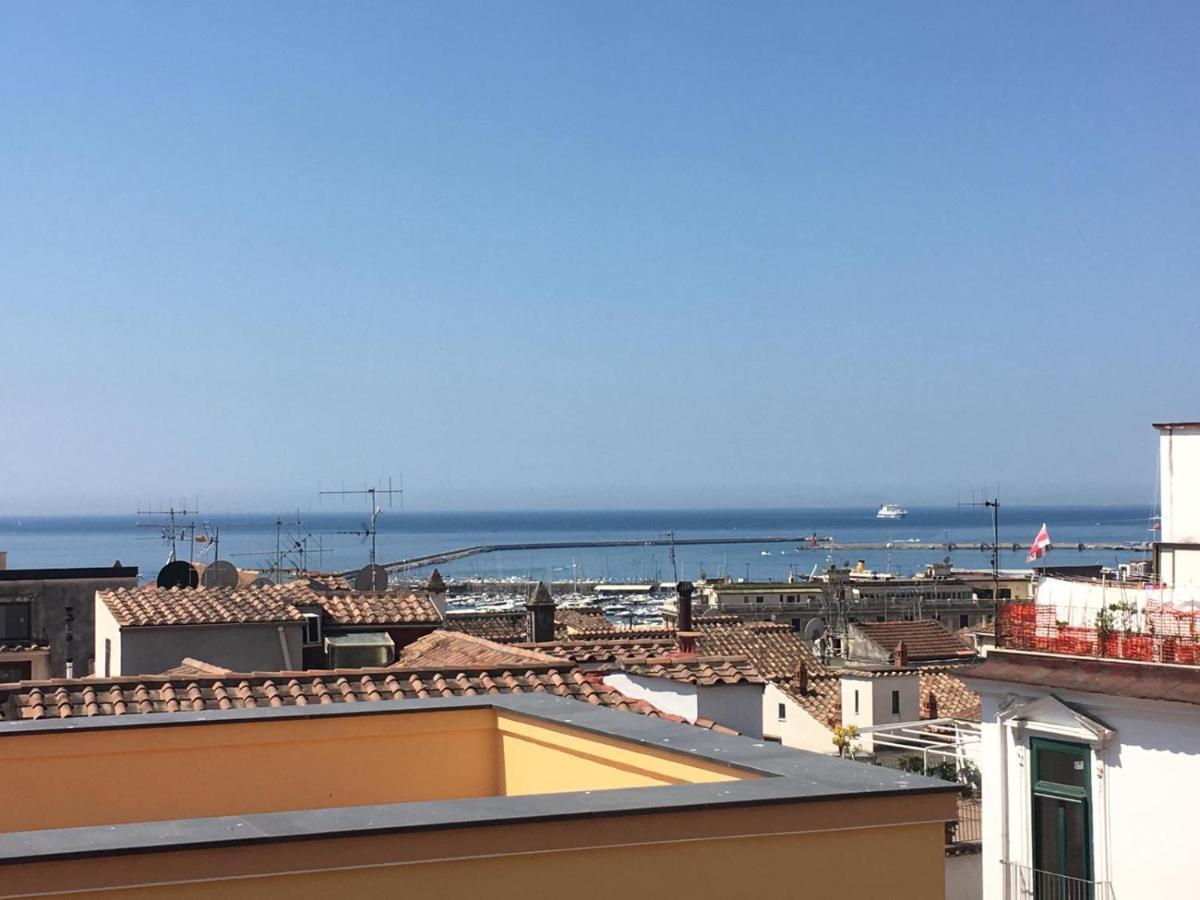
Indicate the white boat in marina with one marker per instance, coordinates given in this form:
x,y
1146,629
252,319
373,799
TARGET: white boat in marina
x,y
891,511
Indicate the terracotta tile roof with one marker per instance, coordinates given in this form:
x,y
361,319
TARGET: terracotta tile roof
x,y
191,666
24,647
148,606
953,699
581,618
151,605
65,698
699,670
378,608
456,650
772,648
502,627
926,639
605,651
822,700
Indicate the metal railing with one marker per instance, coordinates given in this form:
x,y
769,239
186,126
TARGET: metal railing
x,y
1026,883
968,828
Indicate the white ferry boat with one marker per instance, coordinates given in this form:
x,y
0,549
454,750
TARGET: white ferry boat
x,y
891,511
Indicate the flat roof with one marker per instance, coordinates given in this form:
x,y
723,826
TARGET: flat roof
x,y
70,574
785,775
1169,425
1092,675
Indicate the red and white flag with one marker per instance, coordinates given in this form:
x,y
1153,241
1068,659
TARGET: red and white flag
x,y
1041,544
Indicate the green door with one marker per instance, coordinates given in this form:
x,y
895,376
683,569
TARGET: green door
x,y
1062,820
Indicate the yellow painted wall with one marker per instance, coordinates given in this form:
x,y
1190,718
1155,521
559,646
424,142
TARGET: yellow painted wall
x,y
903,862
538,758
188,771
232,768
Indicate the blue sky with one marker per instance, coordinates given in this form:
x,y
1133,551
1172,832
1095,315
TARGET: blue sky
x,y
595,255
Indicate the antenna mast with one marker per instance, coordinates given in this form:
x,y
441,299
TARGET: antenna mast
x,y
370,529
171,532
994,506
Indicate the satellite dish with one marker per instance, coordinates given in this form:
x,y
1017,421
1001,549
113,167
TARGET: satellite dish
x,y
814,629
371,578
222,573
261,581
178,574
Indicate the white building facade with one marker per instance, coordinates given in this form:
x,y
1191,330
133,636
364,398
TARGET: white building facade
x,y
1087,793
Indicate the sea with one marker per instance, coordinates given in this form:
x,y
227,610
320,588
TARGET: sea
x,y
337,541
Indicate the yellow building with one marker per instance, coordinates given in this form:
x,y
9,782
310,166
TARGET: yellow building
x,y
493,795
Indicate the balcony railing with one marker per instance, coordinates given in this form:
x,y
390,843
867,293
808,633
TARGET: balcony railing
x,y
1025,883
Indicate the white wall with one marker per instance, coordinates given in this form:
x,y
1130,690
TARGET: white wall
x,y
1145,790
797,728
875,702
964,876
1179,473
106,629
736,706
672,697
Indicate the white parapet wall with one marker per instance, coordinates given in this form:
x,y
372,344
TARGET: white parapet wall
x,y
1179,479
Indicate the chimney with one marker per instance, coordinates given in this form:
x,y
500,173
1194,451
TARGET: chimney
x,y
683,620
436,588
931,706
541,614
800,679
900,655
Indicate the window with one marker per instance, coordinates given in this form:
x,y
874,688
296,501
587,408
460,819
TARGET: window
x,y
895,703
782,712
14,621
791,598
1062,799
23,671
856,701
964,620
758,599
312,629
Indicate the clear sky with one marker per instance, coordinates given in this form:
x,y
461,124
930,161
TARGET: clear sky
x,y
595,254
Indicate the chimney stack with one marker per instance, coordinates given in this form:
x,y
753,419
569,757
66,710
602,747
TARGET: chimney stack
x,y
683,619
436,588
931,706
901,655
541,614
800,679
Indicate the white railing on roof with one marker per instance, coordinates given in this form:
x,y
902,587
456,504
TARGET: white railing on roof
x,y
936,740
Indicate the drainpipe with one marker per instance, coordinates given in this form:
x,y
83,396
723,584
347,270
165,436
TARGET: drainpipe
x,y
283,645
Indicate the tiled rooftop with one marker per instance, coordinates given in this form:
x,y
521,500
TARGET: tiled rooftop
x,y
772,648
699,671
382,608
23,647
504,627
453,650
605,651
68,698
150,606
925,639
190,666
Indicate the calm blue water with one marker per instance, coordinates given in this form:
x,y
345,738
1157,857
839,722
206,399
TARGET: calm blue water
x,y
250,540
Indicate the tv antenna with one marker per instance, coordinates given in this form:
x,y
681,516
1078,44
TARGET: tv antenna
x,y
993,505
173,531
674,565
373,494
